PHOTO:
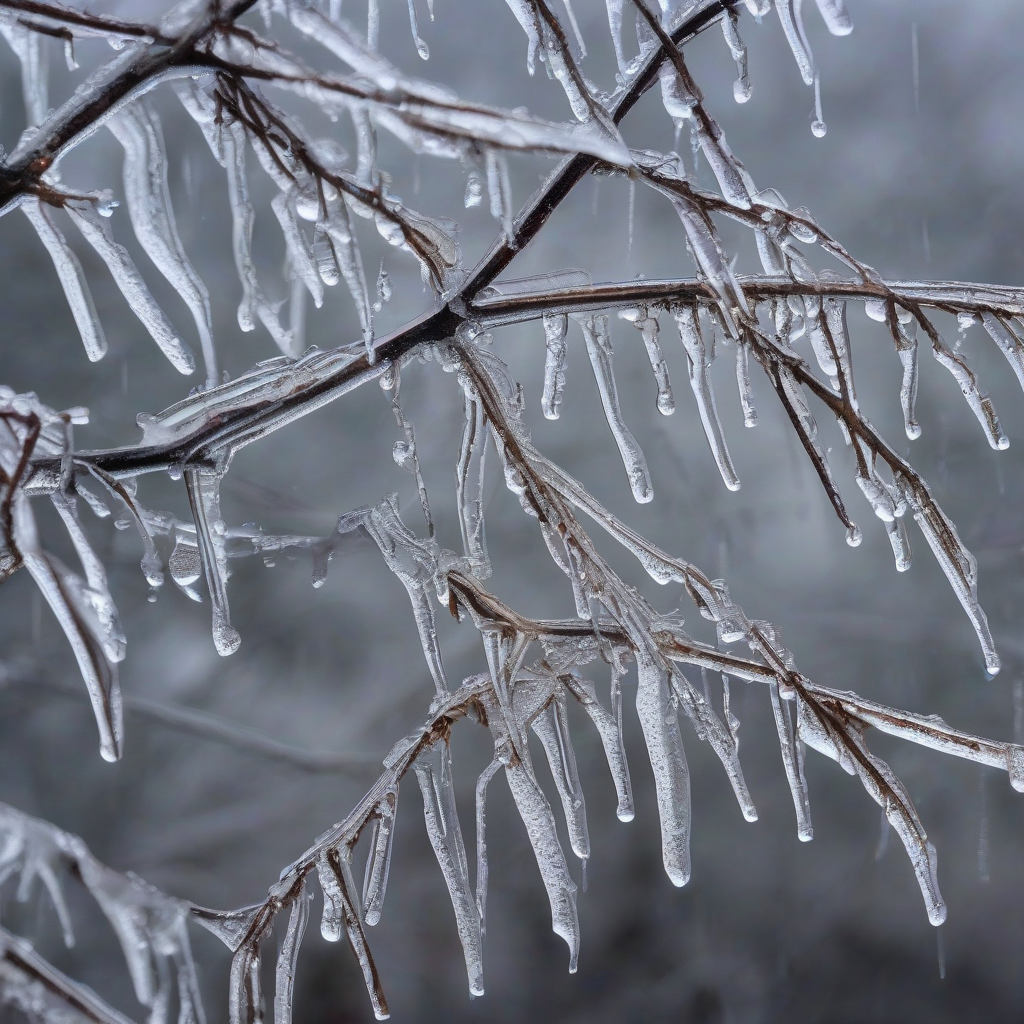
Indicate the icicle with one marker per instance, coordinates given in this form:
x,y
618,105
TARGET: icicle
x,y
341,913
793,27
956,561
406,451
526,15
610,730
97,594
723,741
981,405
71,276
1009,344
575,29
552,728
671,777
907,350
535,811
300,255
499,190
372,23
846,746
152,216
346,251
599,348
254,303
650,330
421,47
836,17
61,588
700,383
744,385
288,957
442,821
96,231
469,488
30,48
614,8
378,863
741,90
793,762
204,499
818,126
481,840
555,326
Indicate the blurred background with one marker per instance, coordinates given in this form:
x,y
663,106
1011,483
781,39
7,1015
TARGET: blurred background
x,y
922,182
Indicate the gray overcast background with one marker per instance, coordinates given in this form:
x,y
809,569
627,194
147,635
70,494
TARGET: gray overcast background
x,y
768,929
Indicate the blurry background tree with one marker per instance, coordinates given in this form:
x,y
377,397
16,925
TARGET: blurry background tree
x,y
228,768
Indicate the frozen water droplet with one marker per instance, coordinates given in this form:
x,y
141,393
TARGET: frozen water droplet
x,y
818,129
854,536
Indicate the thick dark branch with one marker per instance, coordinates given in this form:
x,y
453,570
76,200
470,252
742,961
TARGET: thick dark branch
x,y
97,23
495,310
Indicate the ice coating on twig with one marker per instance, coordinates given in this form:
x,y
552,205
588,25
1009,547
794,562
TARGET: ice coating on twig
x,y
1003,334
414,562
660,725
700,383
287,958
42,993
65,593
842,741
71,277
434,775
599,348
149,925
97,590
204,500
979,402
723,741
96,231
138,131
552,728
341,915
956,561
378,861
555,351
710,261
